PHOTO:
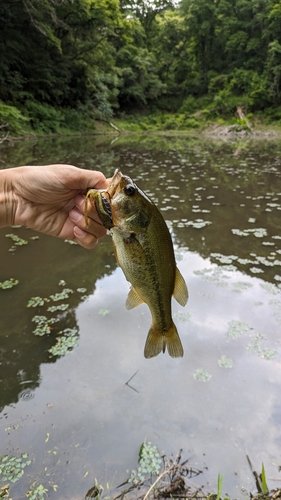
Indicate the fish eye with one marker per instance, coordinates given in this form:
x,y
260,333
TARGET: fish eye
x,y
130,190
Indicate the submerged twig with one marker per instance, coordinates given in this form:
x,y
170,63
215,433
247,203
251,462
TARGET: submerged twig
x,y
127,383
157,480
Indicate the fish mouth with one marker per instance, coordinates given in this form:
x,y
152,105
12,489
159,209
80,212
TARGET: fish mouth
x,y
106,216
114,183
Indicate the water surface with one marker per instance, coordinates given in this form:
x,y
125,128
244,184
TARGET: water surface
x,y
75,414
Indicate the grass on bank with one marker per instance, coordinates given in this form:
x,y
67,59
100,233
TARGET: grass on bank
x,y
37,119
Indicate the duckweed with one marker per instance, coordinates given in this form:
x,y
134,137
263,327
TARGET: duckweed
x,y
202,375
12,467
256,347
149,463
237,329
225,362
8,283
37,492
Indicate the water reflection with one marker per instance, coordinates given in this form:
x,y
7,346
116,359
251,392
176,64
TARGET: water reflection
x,y
21,351
223,208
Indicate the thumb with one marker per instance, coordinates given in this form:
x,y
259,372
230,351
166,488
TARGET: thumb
x,y
94,179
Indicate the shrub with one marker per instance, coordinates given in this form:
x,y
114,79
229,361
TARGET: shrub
x,y
12,119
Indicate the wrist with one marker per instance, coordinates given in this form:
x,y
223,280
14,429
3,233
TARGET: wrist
x,y
7,199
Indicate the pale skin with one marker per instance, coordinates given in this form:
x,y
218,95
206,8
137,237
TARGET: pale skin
x,y
51,199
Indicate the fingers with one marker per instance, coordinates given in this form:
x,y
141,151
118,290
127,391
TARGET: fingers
x,y
91,211
86,235
93,227
84,239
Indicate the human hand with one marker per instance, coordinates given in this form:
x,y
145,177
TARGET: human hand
x,y
51,199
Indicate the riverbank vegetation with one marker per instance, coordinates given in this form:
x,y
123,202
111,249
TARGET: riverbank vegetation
x,y
66,66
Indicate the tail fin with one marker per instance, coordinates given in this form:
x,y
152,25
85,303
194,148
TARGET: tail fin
x,y
157,341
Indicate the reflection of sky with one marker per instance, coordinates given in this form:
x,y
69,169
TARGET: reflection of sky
x,y
84,421
96,422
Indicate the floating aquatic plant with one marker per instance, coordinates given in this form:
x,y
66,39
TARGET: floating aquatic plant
x,y
259,232
8,283
224,259
214,275
60,307
37,492
197,224
12,468
149,463
65,343
271,288
256,270
277,313
71,242
180,316
237,329
36,301
225,362
103,312
240,286
256,347
68,338
62,295
202,375
18,242
43,325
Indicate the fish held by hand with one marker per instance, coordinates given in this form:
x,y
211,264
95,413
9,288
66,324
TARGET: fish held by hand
x,y
144,250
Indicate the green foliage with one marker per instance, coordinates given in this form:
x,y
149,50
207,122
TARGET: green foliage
x,y
149,463
44,117
61,295
68,338
35,302
11,120
18,242
60,307
263,481
37,492
220,481
202,375
43,325
66,64
12,468
8,283
65,343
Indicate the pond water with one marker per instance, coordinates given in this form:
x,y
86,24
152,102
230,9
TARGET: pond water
x,y
84,414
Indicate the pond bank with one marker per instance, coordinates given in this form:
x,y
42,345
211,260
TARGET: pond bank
x,y
117,128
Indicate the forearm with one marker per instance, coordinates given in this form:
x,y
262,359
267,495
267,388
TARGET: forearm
x,y
7,198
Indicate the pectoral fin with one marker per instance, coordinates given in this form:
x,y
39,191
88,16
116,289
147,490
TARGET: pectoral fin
x,y
133,299
180,290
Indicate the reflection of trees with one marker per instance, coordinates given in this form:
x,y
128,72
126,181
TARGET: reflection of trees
x,y
214,185
39,268
179,173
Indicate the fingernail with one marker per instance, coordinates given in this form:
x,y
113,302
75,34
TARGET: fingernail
x,y
75,215
79,233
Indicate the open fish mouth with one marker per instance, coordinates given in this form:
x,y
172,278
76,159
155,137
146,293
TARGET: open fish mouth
x,y
114,182
106,207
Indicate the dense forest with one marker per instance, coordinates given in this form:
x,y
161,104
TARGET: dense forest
x,y
65,63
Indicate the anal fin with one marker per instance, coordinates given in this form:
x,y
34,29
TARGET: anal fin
x,y
133,299
180,289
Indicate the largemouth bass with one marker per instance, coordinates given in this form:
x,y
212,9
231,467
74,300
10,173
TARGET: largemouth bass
x,y
144,251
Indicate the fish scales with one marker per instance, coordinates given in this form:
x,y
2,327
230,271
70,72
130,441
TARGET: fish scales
x,y
144,251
